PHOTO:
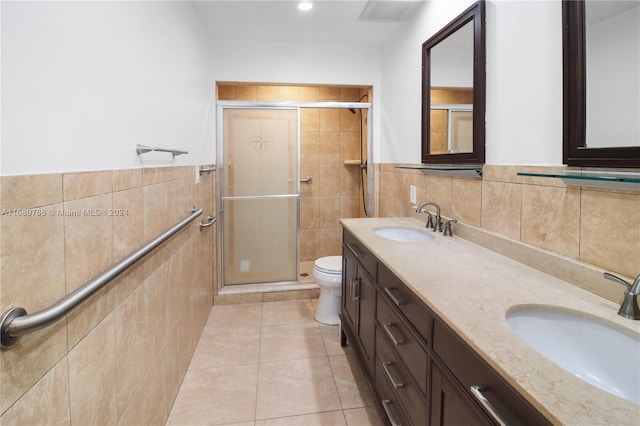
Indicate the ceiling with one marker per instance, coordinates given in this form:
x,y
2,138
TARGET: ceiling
x,y
330,21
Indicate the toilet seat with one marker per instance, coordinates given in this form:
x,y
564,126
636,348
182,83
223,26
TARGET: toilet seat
x,y
331,265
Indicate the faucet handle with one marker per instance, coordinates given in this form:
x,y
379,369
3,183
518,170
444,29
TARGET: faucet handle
x,y
429,220
447,228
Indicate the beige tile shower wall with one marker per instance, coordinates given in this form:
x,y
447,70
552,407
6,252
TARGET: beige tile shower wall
x,y
328,137
595,226
120,357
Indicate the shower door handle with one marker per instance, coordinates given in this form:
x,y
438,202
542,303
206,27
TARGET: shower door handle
x,y
306,180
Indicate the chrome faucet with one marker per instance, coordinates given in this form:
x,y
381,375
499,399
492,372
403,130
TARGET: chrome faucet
x,y
437,226
629,308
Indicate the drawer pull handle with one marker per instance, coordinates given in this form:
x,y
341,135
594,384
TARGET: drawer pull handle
x,y
354,249
393,297
387,411
476,391
387,328
394,382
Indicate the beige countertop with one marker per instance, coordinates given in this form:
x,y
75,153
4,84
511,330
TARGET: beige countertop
x,y
472,288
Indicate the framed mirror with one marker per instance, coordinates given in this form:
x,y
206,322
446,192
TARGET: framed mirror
x,y
453,91
601,80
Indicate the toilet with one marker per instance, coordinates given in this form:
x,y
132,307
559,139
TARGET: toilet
x,y
327,273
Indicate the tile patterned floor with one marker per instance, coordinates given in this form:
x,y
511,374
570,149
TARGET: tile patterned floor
x,y
262,364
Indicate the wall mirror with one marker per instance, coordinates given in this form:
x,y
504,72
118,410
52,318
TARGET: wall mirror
x,y
453,91
601,60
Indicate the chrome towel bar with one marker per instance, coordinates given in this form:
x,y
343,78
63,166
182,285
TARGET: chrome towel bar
x,y
143,149
15,322
207,169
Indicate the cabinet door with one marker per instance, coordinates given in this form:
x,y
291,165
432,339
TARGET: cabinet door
x,y
349,288
449,404
367,318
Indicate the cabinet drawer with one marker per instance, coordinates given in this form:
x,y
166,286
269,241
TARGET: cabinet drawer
x,y
364,256
390,368
471,370
389,401
416,313
397,333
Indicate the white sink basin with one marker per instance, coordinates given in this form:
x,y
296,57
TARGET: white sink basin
x,y
407,235
594,351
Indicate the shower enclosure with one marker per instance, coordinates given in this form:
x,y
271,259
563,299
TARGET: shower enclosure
x,y
260,195
259,187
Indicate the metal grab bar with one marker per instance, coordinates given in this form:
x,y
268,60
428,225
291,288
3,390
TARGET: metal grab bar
x,y
207,169
143,149
210,221
15,322
306,180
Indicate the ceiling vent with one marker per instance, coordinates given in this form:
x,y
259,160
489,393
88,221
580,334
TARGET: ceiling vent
x,y
387,11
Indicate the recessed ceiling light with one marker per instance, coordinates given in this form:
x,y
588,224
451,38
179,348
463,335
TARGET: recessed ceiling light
x,y
305,5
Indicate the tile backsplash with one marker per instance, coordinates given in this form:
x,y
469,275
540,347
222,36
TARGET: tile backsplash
x,y
119,358
596,226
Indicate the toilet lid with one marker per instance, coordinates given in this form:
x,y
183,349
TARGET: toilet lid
x,y
329,264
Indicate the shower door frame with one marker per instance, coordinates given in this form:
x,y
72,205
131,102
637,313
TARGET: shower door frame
x,y
220,107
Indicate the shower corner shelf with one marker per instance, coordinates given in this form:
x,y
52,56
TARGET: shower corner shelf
x,y
460,171
626,181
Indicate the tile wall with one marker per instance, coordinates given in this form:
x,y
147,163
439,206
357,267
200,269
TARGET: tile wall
x,y
596,226
120,357
328,138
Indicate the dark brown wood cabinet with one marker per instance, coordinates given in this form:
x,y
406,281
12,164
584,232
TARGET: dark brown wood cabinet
x,y
359,299
450,406
420,371
470,370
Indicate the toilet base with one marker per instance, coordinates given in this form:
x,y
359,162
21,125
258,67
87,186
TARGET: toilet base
x,y
329,305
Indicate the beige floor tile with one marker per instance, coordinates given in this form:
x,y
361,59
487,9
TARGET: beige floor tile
x,y
220,347
225,317
363,417
287,312
295,382
291,341
352,386
241,424
330,418
331,338
289,388
216,396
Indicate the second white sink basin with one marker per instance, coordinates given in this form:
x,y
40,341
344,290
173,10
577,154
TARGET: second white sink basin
x,y
592,350
407,235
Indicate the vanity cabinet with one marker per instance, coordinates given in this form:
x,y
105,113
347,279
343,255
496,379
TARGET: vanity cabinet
x,y
420,371
359,272
450,405
467,370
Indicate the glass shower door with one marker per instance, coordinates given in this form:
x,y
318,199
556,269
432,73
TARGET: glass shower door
x,y
260,195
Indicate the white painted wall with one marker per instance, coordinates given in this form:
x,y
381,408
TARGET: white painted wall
x,y
302,63
84,82
524,82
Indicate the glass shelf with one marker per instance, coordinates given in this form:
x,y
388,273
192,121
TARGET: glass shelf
x,y
473,172
628,181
